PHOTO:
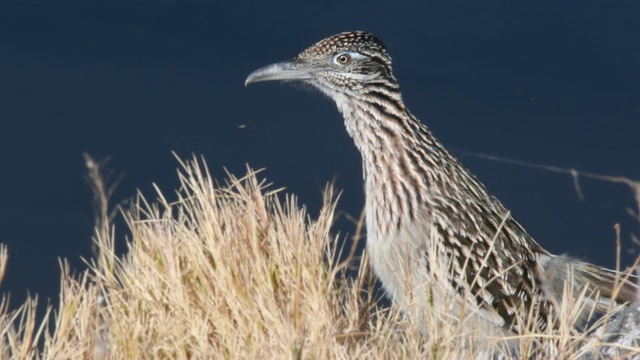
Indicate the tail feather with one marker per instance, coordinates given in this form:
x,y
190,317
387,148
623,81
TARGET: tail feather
x,y
618,286
559,271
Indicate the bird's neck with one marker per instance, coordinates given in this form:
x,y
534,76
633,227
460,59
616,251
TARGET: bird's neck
x,y
399,153
387,134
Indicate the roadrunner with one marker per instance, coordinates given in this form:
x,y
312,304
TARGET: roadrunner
x,y
418,195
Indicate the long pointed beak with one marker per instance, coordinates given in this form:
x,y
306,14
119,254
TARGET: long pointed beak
x,y
286,70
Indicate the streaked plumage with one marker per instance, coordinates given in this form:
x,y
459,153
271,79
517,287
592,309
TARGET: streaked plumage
x,y
416,192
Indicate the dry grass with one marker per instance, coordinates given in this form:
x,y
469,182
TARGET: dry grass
x,y
230,271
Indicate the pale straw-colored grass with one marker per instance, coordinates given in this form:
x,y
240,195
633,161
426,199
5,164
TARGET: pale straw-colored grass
x,y
241,271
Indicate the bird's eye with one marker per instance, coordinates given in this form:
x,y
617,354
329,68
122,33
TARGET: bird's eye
x,y
342,59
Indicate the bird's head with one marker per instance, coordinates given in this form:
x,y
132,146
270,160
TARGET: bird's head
x,y
340,64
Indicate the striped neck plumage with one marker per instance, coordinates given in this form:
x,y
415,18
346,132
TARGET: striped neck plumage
x,y
395,148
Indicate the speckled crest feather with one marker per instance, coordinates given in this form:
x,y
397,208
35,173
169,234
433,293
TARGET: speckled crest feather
x,y
359,41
